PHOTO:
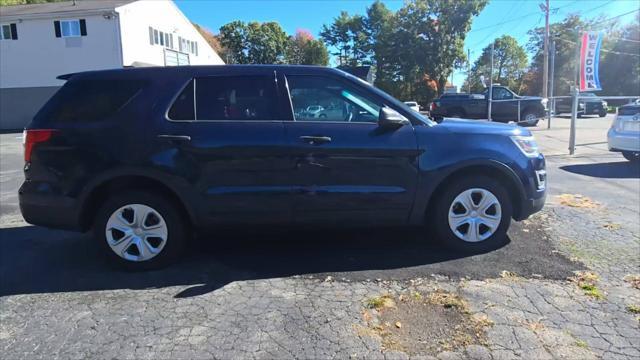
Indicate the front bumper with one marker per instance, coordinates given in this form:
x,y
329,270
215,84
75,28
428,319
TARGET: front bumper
x,y
623,141
532,206
534,191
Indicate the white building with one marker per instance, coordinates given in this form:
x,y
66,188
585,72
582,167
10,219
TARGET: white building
x,y
42,41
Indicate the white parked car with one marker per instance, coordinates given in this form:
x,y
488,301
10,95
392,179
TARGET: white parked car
x,y
413,105
624,134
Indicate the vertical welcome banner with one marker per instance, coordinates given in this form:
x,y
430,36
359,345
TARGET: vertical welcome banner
x,y
589,61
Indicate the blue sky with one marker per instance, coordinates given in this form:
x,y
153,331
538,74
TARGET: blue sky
x,y
498,18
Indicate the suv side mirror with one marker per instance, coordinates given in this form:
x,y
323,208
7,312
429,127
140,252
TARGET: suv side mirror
x,y
391,118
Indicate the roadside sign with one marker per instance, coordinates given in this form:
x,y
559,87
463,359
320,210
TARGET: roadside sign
x,y
589,61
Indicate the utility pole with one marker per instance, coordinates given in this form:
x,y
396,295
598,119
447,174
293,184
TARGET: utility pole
x,y
551,103
545,71
468,70
490,85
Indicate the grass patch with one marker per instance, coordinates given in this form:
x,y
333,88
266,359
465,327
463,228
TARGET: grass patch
x,y
634,280
634,309
380,302
508,274
423,323
612,226
582,344
577,201
592,290
587,282
448,300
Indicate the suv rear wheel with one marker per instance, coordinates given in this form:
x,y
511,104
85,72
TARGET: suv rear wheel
x,y
140,231
473,214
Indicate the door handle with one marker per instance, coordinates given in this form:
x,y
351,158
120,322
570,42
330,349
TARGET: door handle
x,y
315,140
175,137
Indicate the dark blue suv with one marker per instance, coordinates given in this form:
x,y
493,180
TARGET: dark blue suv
x,y
145,156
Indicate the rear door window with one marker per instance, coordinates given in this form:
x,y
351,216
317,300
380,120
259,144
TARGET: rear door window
x,y
90,100
223,98
236,98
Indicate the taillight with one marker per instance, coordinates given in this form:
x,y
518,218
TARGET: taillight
x,y
433,106
32,137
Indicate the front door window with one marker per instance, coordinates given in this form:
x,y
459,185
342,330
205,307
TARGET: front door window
x,y
325,99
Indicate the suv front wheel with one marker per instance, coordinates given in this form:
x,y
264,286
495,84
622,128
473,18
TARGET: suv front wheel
x,y
473,214
139,230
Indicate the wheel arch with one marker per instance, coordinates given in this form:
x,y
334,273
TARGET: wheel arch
x,y
490,168
99,192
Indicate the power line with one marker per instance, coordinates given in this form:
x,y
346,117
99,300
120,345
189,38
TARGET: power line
x,y
623,39
603,50
522,17
615,17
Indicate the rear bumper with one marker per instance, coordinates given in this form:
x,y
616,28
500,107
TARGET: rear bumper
x,y
621,141
48,210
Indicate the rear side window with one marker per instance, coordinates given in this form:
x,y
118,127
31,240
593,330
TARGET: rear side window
x,y
183,106
89,100
629,110
220,98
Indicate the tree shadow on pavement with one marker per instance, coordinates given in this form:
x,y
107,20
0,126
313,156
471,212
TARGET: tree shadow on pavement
x,y
609,170
39,260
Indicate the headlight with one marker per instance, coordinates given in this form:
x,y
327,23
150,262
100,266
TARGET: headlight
x,y
526,144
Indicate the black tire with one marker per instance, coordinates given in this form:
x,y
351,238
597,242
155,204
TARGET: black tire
x,y
631,156
524,115
439,215
602,113
177,234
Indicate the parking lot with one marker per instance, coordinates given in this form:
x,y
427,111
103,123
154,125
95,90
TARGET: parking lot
x,y
566,285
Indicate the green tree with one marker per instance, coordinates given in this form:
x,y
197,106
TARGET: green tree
x,y
347,35
266,43
253,43
378,29
233,37
510,64
427,43
303,49
620,68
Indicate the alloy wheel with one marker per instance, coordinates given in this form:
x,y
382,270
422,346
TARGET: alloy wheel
x,y
136,232
475,215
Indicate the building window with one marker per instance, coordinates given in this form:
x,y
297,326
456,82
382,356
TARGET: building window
x,y
70,28
9,32
162,38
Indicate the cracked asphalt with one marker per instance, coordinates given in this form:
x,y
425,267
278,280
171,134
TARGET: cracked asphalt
x,y
274,294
